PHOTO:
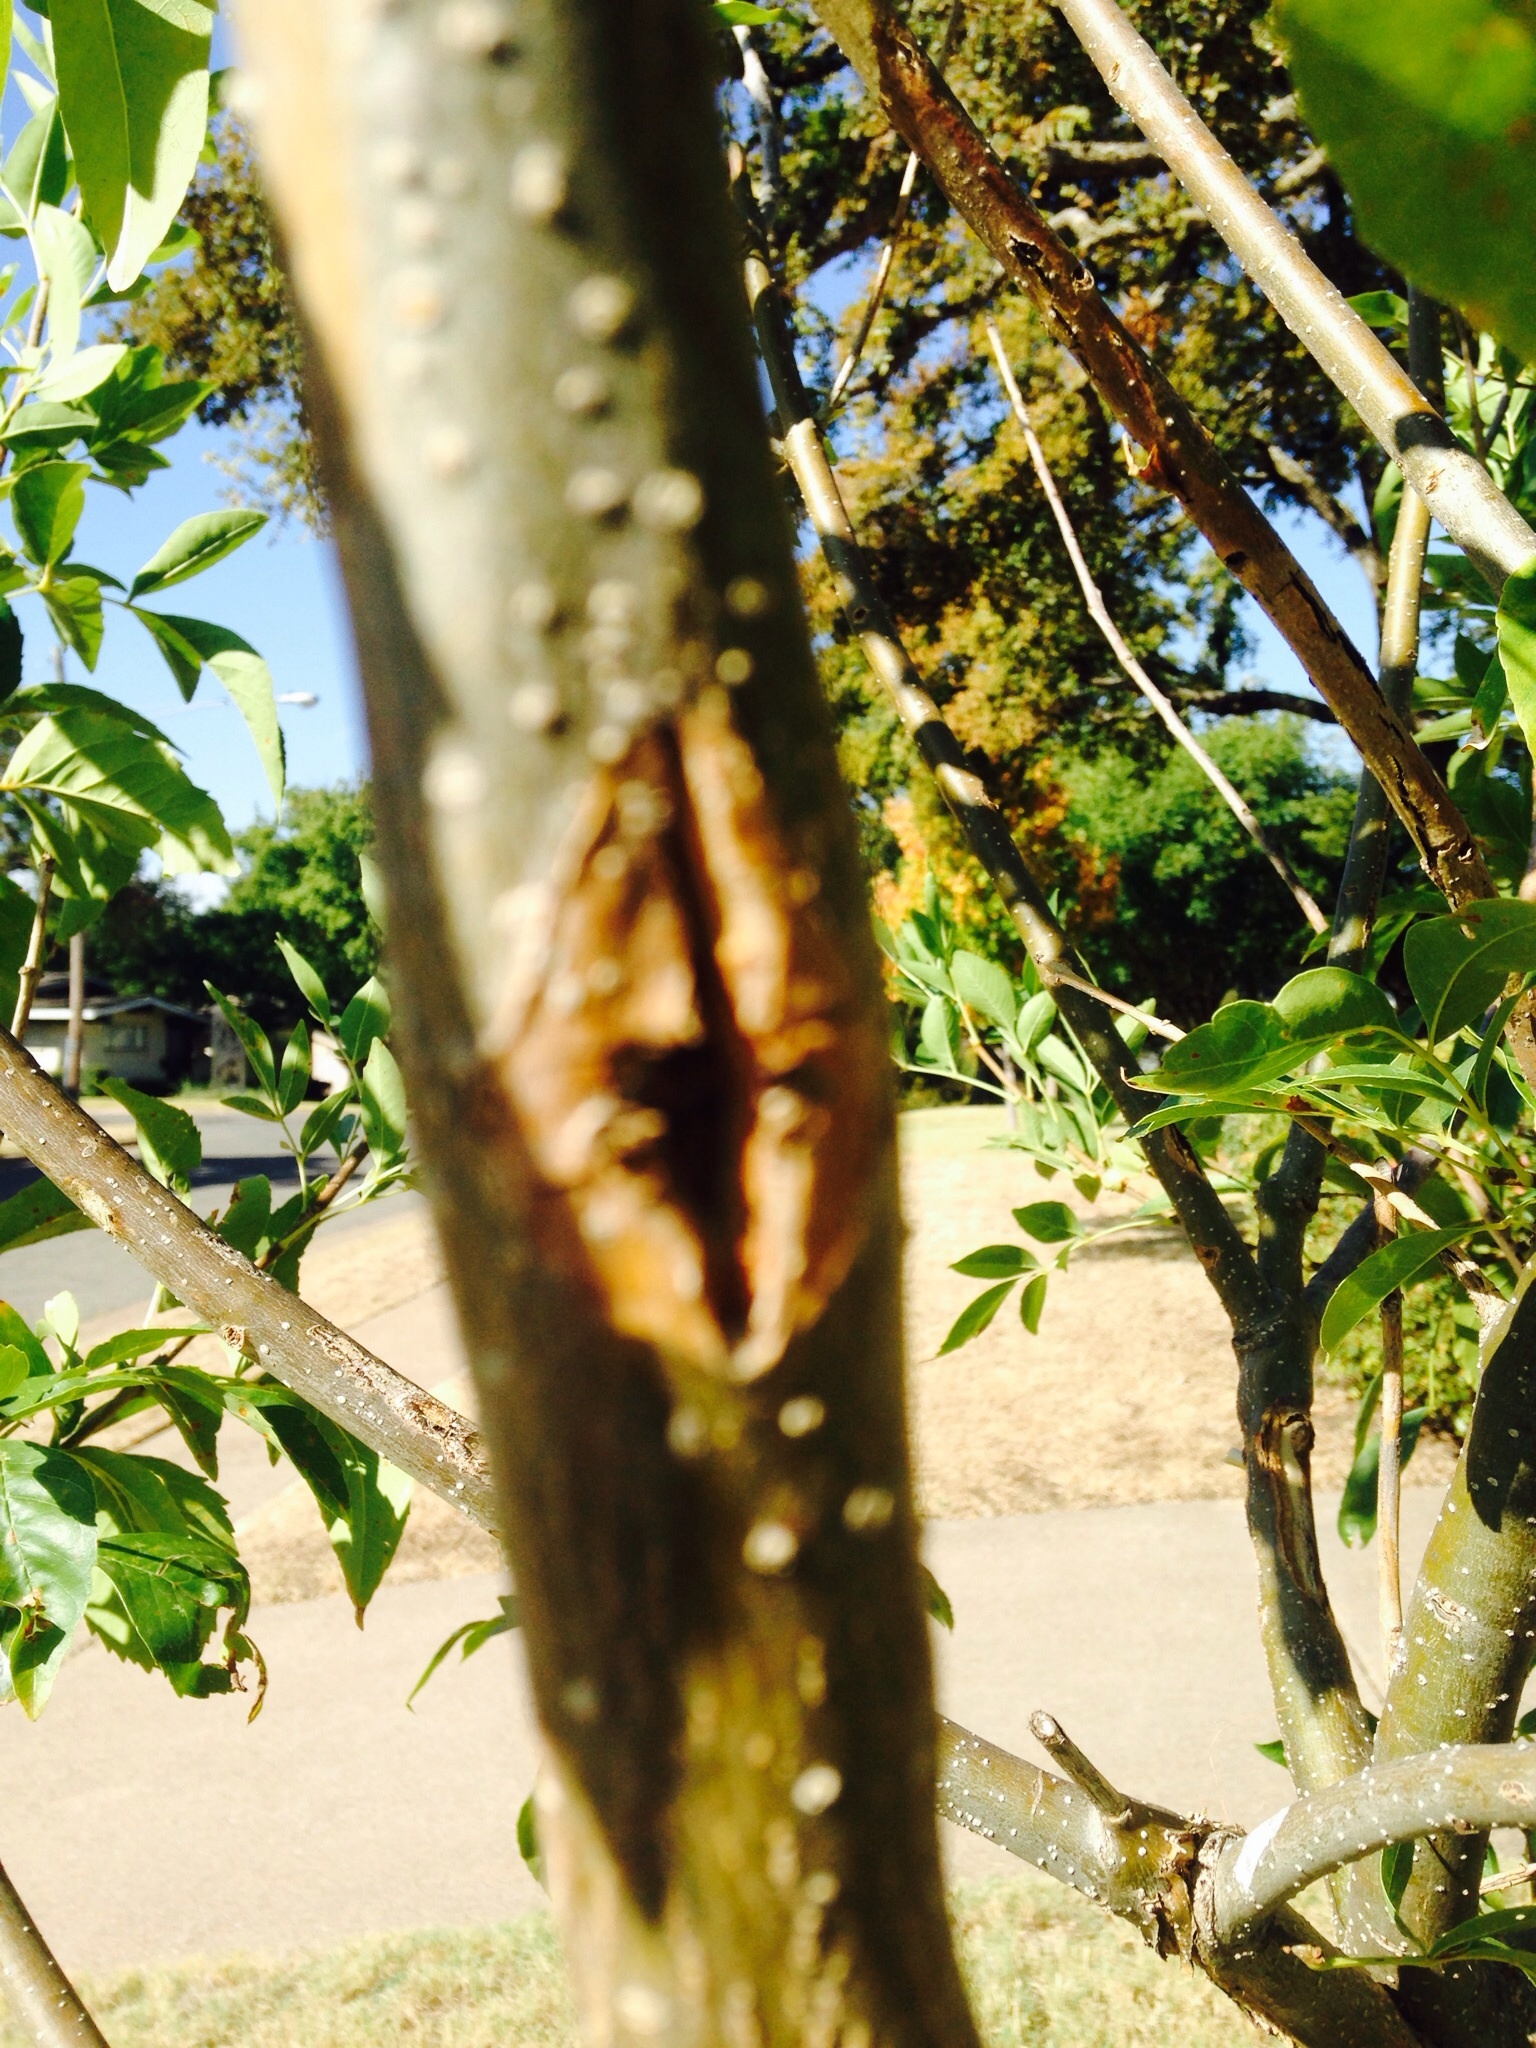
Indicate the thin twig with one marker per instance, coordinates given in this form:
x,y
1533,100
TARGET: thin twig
x,y
1474,395
1506,1880
1098,611
1087,1776
37,940
887,261
1102,995
1389,1469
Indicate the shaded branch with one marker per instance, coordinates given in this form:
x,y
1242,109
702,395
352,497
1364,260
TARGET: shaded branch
x,y
1245,703
1452,482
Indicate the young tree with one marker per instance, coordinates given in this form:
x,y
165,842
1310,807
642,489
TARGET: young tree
x,y
645,1032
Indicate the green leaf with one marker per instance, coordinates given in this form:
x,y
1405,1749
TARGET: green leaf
x,y
244,1223
1247,1044
1032,1303
469,1637
1457,966
1516,622
250,1105
527,1825
170,1143
138,1494
1274,1751
133,88
36,167
743,13
47,1533
74,605
132,790
14,1369
936,1036
1426,110
1048,1222
196,545
381,1105
983,986
996,1262
171,1587
1357,1506
10,652
935,1598
46,503
189,645
66,257
367,1534
1396,1869
84,373
16,1331
1395,1264
364,1019
294,1077
320,1126
1036,1017
308,983
975,1317
46,425
1381,309
128,1345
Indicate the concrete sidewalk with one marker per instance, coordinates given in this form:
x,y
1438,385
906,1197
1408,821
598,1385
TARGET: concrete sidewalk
x,y
140,1827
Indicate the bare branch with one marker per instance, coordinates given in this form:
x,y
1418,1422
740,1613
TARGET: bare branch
x,y
1098,611
250,1311
765,119
1246,703
1087,1776
1169,447
37,944
1453,483
1471,1786
42,1997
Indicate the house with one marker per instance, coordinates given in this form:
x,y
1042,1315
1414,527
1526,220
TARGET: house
x,y
144,1040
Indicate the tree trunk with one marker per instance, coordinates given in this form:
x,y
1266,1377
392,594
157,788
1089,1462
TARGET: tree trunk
x,y
640,1004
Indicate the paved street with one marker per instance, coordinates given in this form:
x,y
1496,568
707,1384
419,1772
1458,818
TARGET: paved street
x,y
101,1275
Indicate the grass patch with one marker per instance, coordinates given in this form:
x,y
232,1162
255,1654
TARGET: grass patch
x,y
1045,1970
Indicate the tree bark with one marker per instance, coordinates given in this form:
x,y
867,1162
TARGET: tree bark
x,y
641,1012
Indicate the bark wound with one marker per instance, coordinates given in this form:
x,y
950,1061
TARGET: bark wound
x,y
689,1055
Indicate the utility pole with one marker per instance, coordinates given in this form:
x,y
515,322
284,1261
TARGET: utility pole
x,y
74,1037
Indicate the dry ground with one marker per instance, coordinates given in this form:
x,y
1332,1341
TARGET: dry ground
x,y
1124,1396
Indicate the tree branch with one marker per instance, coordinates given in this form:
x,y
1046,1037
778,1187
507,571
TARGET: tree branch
x,y
1473,1787
1471,1627
1098,611
640,1005
1452,482
1247,703
42,1997
1155,1869
283,1335
37,946
1170,448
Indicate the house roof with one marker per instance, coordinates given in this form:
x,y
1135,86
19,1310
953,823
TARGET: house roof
x,y
113,1006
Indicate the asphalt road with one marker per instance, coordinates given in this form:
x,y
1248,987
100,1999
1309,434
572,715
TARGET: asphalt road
x,y
100,1274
